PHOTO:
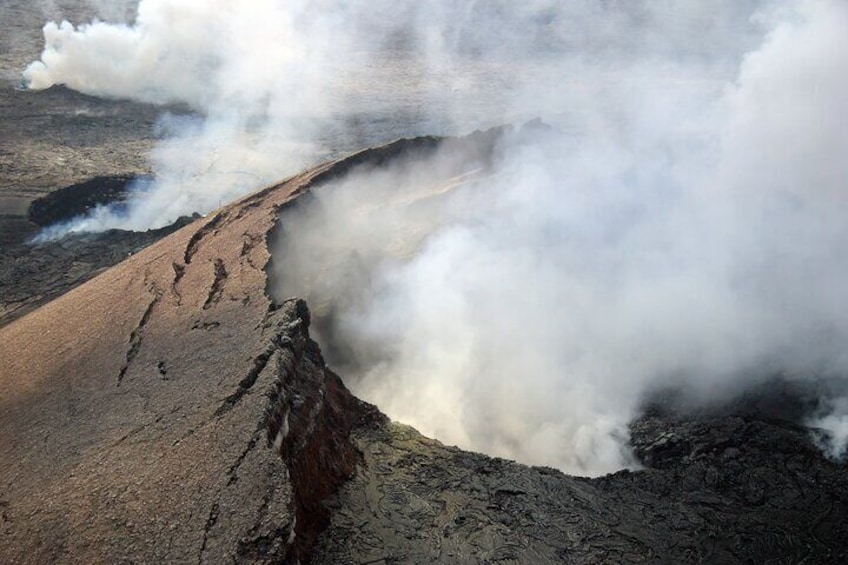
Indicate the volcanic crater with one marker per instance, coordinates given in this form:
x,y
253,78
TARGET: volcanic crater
x,y
169,410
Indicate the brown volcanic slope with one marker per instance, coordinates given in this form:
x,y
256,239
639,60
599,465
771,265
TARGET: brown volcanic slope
x,y
167,411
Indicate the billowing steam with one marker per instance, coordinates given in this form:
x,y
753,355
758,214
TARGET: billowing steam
x,y
833,427
682,224
278,85
526,311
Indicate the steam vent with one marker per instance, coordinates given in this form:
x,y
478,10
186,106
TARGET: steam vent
x,y
392,281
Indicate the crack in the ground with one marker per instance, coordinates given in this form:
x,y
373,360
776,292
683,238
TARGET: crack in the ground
x,y
135,431
249,244
210,523
194,242
179,272
278,342
198,325
232,472
217,288
137,335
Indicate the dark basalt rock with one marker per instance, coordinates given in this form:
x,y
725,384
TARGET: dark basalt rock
x,y
78,199
715,490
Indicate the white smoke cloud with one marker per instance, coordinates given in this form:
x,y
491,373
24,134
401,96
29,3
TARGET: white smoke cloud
x,y
684,229
286,84
690,235
833,425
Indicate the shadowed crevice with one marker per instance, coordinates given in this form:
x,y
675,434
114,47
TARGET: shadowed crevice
x,y
207,228
217,288
259,363
137,335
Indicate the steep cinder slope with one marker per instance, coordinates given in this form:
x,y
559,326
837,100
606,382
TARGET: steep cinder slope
x,y
133,417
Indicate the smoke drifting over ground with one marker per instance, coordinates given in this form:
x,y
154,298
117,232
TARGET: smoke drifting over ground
x,y
682,225
280,85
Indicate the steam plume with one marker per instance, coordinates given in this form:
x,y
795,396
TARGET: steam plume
x,y
683,228
697,246
281,85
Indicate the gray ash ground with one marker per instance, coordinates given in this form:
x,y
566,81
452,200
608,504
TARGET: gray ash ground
x,y
56,138
731,490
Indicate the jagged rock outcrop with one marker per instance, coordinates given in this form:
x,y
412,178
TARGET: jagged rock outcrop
x,y
742,491
169,411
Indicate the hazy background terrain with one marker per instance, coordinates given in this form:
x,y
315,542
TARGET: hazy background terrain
x,y
53,138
